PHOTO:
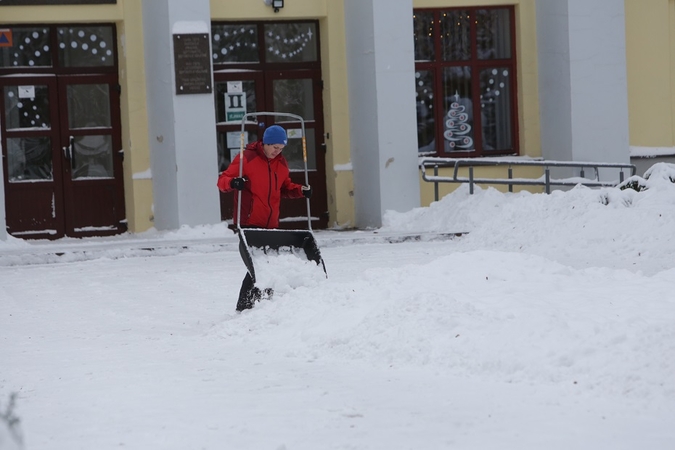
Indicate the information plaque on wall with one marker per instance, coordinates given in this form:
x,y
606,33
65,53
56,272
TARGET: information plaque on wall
x,y
192,62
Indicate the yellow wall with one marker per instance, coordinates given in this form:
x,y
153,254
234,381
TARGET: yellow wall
x,y
257,10
650,35
62,14
137,188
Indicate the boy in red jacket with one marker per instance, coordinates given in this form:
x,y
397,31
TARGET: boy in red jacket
x,y
265,179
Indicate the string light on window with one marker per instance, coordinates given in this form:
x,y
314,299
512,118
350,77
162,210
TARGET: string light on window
x,y
297,44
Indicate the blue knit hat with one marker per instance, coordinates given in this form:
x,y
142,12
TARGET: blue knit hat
x,y
275,135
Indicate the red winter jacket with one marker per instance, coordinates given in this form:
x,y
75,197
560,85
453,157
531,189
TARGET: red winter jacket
x,y
267,181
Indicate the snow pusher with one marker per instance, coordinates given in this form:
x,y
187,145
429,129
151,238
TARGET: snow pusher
x,y
298,242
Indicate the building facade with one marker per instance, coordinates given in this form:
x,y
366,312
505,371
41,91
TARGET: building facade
x,y
118,115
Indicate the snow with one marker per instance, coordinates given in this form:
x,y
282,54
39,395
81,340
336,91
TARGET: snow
x,y
549,323
651,152
190,27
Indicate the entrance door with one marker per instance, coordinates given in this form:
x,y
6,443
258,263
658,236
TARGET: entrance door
x,y
62,157
289,91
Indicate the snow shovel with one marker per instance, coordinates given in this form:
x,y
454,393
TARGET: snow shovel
x,y
273,239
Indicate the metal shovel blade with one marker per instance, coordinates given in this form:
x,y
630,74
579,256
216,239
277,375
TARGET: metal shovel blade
x,y
275,240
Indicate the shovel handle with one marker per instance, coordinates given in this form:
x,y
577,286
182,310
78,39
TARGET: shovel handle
x,y
241,173
304,160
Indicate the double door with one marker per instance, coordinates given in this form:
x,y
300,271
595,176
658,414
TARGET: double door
x,y
62,155
288,91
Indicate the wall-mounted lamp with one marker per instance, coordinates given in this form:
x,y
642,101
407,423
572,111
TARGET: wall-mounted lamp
x,y
276,4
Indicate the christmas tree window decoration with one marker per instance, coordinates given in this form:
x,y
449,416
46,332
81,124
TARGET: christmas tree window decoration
x,y
291,42
458,134
86,46
234,44
31,48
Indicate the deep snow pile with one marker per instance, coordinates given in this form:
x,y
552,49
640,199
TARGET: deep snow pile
x,y
619,228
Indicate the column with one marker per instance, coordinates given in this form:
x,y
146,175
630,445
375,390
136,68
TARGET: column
x,y
582,80
383,120
181,126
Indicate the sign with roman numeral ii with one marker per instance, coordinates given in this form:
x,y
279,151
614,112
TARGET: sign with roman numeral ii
x,y
235,106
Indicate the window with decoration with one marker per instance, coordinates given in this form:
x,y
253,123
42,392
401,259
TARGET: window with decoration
x,y
241,44
465,81
79,48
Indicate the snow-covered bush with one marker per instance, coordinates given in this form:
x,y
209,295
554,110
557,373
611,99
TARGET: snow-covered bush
x,y
656,174
636,183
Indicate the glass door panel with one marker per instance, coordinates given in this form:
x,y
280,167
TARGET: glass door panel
x,y
92,157
293,151
89,112
29,159
88,105
27,107
295,96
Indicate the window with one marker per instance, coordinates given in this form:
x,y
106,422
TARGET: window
x,y
273,42
465,81
60,49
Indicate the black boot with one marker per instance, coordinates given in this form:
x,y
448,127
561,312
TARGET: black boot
x,y
248,294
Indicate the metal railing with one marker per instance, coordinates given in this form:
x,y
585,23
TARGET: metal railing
x,y
545,180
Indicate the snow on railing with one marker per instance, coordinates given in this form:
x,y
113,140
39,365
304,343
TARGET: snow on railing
x,y
544,180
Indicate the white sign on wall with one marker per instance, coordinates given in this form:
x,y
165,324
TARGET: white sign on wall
x,y
26,91
234,86
294,133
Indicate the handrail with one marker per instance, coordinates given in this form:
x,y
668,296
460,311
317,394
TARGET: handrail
x,y
544,180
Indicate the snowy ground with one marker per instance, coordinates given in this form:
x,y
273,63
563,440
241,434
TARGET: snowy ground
x,y
551,325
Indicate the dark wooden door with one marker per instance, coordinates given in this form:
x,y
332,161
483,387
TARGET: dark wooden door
x,y
31,156
291,91
93,184
62,157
